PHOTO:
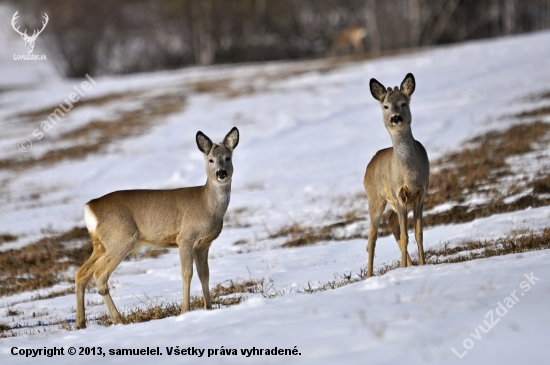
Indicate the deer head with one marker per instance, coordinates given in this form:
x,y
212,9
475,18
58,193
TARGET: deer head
x,y
29,40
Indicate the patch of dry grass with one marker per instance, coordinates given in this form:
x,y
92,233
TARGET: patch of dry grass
x,y
513,242
12,312
154,253
480,165
97,135
54,294
38,115
475,170
234,292
6,237
236,218
535,97
222,295
5,331
538,112
44,263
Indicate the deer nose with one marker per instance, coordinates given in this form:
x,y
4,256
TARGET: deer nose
x,y
221,174
396,118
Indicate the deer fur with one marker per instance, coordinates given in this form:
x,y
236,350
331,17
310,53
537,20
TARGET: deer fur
x,y
187,218
398,175
349,41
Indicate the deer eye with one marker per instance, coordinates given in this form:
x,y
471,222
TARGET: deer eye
x,y
228,158
386,107
211,161
404,105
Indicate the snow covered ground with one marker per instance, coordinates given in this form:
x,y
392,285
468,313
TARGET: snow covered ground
x,y
305,141
419,315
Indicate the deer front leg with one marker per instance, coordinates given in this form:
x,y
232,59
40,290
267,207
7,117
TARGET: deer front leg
x,y
394,224
418,228
376,208
404,239
373,234
186,259
201,262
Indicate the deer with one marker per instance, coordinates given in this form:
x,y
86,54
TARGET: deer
x,y
349,41
189,218
398,175
29,40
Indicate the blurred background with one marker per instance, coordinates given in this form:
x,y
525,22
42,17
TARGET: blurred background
x,y
126,36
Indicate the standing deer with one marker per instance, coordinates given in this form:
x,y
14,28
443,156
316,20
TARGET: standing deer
x,y
398,175
349,41
29,40
187,218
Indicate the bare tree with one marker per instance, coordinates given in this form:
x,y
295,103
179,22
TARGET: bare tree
x,y
203,44
120,36
372,27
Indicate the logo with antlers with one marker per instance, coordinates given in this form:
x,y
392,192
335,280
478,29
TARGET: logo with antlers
x,y
29,40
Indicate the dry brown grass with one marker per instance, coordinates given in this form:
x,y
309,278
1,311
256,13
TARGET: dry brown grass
x,y
38,115
226,294
222,295
154,253
44,263
236,218
464,213
541,186
535,97
513,242
12,312
538,112
234,292
97,135
6,237
5,331
54,294
478,167
302,235
475,170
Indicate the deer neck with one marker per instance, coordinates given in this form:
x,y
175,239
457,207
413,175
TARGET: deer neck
x,y
217,196
404,147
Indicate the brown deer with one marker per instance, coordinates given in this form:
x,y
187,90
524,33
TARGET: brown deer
x,y
187,218
398,175
349,41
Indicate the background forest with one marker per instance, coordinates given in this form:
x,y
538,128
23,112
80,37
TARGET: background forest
x,y
125,36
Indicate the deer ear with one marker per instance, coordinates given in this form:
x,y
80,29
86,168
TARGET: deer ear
x,y
377,90
408,85
204,143
232,139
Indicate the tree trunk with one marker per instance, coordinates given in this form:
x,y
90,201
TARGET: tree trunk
x,y
372,27
203,43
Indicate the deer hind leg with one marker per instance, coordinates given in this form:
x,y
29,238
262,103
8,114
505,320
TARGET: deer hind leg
x,y
201,262
82,277
115,253
394,224
418,228
376,208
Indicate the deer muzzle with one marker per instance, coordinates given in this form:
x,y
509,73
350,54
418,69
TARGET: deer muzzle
x,y
396,119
